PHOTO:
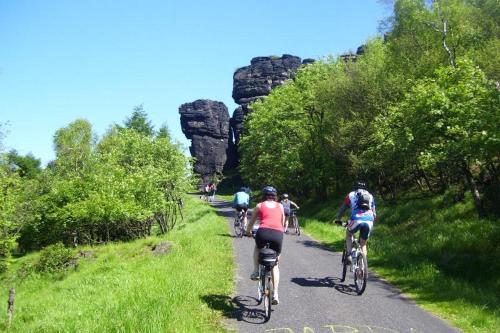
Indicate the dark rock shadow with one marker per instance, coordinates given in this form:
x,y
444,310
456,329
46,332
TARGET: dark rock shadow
x,y
240,308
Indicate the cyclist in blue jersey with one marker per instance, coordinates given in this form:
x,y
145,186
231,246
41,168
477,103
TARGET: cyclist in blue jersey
x,y
363,214
241,202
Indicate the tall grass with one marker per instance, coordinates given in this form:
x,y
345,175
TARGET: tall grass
x,y
124,288
436,251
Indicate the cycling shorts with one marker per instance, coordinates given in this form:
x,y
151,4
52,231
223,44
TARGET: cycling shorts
x,y
286,210
241,207
271,236
363,227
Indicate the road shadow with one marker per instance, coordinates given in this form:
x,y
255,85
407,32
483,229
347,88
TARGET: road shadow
x,y
328,282
240,308
331,246
227,235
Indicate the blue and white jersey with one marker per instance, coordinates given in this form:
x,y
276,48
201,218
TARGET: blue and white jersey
x,y
360,214
241,198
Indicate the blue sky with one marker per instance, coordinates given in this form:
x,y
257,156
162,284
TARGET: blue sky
x,y
97,59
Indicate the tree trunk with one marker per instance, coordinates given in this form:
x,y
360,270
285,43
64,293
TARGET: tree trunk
x,y
471,183
10,306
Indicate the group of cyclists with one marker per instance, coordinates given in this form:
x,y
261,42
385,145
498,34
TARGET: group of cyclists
x,y
273,222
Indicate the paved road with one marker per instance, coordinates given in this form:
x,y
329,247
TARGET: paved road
x,y
312,298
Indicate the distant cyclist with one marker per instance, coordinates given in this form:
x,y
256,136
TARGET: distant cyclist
x,y
363,214
241,202
287,203
272,220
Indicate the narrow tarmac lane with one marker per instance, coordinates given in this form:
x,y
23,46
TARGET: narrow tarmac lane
x,y
312,298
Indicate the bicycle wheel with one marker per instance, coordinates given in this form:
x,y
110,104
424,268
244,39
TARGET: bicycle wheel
x,y
344,265
267,296
361,274
296,224
238,232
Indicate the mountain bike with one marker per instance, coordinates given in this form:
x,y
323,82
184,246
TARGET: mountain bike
x,y
294,221
239,224
358,267
268,258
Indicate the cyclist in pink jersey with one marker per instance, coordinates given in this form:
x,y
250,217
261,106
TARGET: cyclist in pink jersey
x,y
272,222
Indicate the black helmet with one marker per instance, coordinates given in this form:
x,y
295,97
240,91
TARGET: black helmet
x,y
242,189
359,185
269,190
285,196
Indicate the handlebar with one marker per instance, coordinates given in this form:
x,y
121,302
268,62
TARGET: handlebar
x,y
341,223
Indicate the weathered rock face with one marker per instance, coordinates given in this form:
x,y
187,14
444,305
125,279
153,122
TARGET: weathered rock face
x,y
257,80
206,124
263,74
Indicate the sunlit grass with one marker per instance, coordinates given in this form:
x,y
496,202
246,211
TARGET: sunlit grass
x,y
439,253
125,288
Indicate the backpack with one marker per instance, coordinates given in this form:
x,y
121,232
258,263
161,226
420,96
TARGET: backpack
x,y
363,200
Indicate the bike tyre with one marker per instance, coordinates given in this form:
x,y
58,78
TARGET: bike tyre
x,y
344,265
360,281
267,297
238,232
297,226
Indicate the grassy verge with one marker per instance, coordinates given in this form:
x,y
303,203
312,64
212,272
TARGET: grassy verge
x,y
124,288
442,256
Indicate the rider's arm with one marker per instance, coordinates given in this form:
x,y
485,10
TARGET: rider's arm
x,y
255,213
293,203
283,218
374,209
345,205
341,211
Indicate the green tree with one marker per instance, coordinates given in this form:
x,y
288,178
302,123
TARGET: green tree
x,y
26,166
449,120
139,122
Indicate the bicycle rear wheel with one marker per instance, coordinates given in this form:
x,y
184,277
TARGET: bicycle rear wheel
x,y
296,225
267,296
238,231
344,265
361,274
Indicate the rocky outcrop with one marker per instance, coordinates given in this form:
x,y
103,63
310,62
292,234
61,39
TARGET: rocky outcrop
x,y
257,80
206,124
214,137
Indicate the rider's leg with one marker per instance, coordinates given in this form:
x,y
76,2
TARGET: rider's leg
x,y
364,249
276,280
256,259
286,222
348,240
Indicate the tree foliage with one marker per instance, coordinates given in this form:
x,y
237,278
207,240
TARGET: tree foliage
x,y
418,109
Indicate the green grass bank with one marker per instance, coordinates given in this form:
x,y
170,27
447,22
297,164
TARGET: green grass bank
x,y
122,287
439,254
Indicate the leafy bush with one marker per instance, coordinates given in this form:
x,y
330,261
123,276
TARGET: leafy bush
x,y
55,258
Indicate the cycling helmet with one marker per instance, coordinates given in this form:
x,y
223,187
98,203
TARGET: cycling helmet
x,y
269,190
359,185
285,196
242,189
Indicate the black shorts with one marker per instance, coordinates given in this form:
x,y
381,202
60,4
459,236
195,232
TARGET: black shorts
x,y
271,236
241,207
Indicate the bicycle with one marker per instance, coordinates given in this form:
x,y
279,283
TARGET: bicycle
x,y
239,224
268,258
294,221
358,266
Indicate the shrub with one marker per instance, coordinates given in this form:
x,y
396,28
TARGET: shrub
x,y
55,258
